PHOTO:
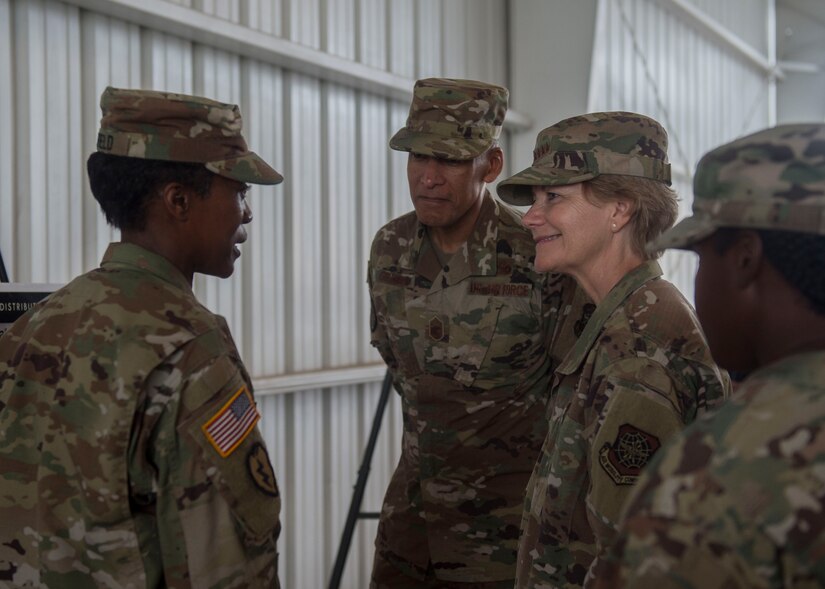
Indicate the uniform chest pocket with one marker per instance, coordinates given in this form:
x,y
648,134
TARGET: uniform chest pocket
x,y
561,475
475,340
390,295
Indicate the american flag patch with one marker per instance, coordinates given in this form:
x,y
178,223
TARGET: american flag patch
x,y
229,427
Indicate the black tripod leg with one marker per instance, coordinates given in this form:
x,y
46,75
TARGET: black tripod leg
x,y
3,276
360,485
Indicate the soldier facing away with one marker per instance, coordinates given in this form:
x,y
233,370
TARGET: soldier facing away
x,y
641,369
471,333
129,450
738,499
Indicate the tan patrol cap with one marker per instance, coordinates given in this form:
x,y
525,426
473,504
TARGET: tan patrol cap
x,y
582,147
180,128
452,119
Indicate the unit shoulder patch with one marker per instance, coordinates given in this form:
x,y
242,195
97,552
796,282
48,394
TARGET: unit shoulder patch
x,y
233,422
260,469
630,452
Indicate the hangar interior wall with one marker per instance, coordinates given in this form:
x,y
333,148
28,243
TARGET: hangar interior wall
x,y
297,303
702,68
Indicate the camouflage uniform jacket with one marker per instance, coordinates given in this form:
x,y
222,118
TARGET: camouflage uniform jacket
x,y
736,500
467,346
640,372
110,473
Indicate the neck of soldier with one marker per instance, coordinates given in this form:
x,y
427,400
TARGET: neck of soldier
x,y
785,323
449,238
161,243
597,275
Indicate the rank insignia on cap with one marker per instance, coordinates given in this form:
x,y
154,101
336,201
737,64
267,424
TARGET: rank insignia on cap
x,y
628,455
227,428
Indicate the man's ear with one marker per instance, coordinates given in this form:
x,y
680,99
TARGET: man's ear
x,y
495,162
176,200
746,258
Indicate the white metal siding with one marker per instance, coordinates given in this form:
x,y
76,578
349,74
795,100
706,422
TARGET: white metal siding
x,y
297,302
647,59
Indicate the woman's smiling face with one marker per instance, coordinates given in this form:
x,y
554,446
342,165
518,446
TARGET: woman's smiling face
x,y
570,231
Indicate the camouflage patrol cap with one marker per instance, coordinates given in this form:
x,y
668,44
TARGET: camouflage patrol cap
x,y
580,148
179,128
772,179
452,119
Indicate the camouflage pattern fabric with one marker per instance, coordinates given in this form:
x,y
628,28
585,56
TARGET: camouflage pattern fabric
x,y
640,371
771,179
471,347
452,119
580,148
179,128
736,500
107,475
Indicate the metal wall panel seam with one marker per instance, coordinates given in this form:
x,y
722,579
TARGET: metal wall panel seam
x,y
304,279
372,134
338,228
371,38
705,24
345,442
57,100
428,39
75,197
31,139
193,25
456,57
401,45
8,147
307,497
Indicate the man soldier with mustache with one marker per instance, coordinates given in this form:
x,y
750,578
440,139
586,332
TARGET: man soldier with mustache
x,y
471,333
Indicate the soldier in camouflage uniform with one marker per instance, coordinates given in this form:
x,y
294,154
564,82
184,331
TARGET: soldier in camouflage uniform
x,y
129,451
641,369
738,498
470,332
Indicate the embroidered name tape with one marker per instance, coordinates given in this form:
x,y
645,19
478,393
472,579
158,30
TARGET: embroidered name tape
x,y
387,277
511,289
228,428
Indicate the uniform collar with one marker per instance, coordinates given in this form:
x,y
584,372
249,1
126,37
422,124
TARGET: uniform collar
x,y
614,299
476,257
131,255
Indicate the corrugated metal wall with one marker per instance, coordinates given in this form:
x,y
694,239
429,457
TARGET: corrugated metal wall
x,y
297,302
649,58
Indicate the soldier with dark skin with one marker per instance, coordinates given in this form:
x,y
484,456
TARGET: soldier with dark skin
x,y
737,500
470,332
129,450
641,368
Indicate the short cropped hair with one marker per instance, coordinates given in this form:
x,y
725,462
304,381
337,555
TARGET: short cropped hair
x,y
124,186
798,257
655,207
